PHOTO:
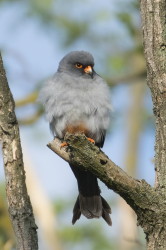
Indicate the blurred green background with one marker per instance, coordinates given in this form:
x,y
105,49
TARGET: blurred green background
x,y
34,36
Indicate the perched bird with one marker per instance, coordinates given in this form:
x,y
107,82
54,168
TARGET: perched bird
x,y
76,100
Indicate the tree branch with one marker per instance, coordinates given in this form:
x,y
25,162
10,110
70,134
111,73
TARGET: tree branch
x,y
20,208
88,157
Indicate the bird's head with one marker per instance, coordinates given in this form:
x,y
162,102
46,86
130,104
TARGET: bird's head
x,y
78,63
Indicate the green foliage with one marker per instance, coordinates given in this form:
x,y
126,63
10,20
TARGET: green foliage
x,y
5,1
126,19
47,13
89,233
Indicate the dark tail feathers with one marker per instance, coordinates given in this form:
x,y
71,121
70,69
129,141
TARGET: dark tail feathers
x,y
89,202
91,207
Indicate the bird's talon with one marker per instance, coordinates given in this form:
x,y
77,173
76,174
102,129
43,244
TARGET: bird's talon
x,y
91,140
64,144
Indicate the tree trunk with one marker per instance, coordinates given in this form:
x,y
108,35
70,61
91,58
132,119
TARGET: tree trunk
x,y
20,208
154,36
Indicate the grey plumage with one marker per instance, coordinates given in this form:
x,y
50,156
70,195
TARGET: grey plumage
x,y
72,97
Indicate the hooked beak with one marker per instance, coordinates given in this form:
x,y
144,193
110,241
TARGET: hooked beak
x,y
89,70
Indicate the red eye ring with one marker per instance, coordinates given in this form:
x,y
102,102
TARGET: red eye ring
x,y
78,65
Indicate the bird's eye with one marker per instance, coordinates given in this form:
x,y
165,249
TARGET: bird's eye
x,y
78,65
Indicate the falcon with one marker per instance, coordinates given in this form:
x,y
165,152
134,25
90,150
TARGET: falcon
x,y
76,100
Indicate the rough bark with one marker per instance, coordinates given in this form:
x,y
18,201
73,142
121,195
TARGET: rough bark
x,y
154,31
154,36
20,208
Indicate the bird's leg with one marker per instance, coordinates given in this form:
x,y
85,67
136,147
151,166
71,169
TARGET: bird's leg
x,y
91,140
63,144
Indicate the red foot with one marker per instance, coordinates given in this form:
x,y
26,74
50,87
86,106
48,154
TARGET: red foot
x,y
91,140
63,144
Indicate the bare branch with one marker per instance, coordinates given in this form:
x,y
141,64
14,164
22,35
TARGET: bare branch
x,y
32,118
131,77
30,98
87,156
